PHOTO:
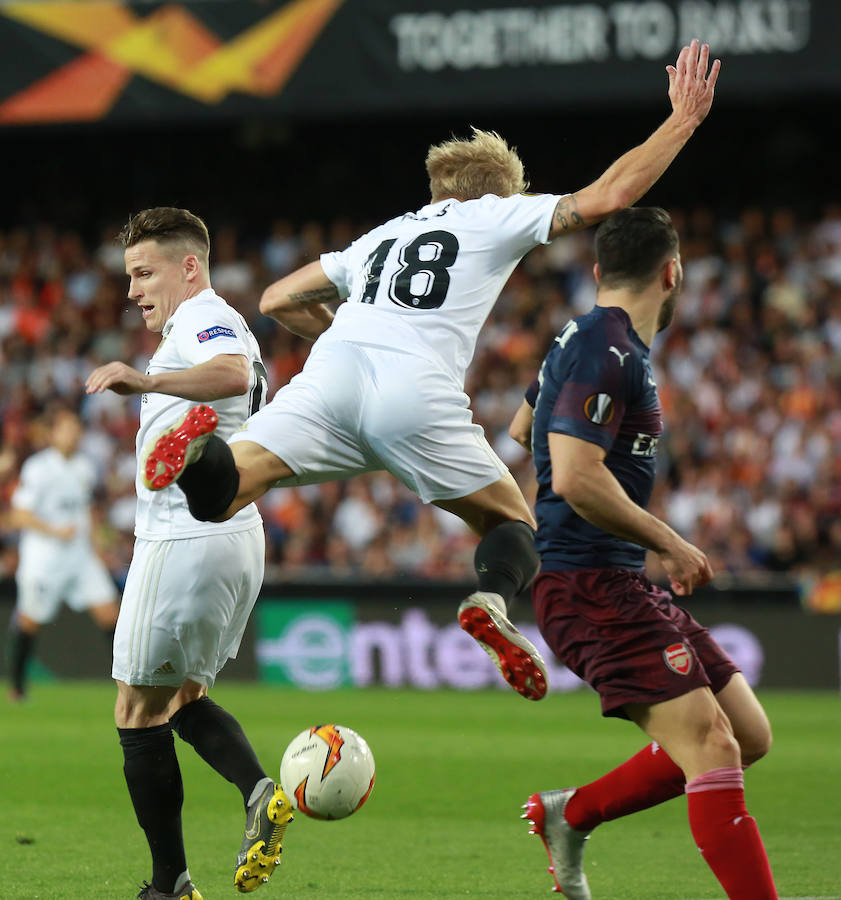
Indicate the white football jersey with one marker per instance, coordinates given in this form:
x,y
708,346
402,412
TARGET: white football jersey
x,y
425,282
58,490
200,328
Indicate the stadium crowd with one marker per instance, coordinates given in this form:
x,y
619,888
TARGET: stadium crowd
x,y
749,376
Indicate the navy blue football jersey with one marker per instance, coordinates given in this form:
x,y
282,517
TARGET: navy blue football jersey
x,y
595,384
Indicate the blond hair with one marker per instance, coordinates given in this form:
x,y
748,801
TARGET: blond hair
x,y
176,229
469,169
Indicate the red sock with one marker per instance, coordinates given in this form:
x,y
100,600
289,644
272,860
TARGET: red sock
x,y
646,779
727,836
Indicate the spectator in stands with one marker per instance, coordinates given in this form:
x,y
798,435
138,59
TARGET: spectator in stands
x,y
751,390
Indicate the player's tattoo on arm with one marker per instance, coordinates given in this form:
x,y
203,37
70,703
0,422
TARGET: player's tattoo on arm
x,y
567,215
318,295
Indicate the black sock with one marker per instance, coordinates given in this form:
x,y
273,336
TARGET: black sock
x,y
220,741
157,793
21,645
211,482
506,560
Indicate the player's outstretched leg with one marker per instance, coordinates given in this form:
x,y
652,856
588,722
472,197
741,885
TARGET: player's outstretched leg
x,y
265,823
220,741
564,844
166,455
187,891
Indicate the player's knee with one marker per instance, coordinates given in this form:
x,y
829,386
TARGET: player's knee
x,y
184,715
756,744
211,484
212,508
141,708
26,625
229,513
719,744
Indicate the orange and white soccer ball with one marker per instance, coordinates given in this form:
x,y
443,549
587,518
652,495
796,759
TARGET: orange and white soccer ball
x,y
327,771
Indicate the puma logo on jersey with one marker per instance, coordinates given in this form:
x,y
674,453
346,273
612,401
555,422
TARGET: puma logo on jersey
x,y
621,356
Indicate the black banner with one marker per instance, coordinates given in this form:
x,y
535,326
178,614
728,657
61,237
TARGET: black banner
x,y
89,61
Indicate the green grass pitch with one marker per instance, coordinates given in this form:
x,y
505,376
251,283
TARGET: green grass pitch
x,y
443,820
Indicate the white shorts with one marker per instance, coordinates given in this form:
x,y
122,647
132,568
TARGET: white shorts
x,y
360,408
185,607
81,584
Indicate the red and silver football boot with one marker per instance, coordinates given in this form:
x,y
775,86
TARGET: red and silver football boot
x,y
564,844
482,616
166,456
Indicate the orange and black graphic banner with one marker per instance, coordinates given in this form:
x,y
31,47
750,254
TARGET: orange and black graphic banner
x,y
86,60
145,61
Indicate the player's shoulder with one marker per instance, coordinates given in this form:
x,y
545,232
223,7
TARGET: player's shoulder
x,y
379,232
606,326
207,300
493,204
40,461
83,463
594,340
204,313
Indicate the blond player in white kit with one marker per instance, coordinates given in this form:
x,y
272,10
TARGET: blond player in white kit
x,y
57,562
191,585
383,385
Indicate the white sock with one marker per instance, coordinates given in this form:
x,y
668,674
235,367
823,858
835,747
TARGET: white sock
x,y
181,882
261,785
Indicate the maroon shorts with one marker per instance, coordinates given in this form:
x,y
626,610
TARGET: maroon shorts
x,y
625,637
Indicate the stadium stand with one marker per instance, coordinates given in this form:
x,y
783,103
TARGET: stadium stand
x,y
752,393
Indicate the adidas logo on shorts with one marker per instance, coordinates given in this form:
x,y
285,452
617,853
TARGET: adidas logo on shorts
x,y
166,669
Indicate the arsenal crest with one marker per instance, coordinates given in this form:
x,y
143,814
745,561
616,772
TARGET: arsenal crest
x,y
678,658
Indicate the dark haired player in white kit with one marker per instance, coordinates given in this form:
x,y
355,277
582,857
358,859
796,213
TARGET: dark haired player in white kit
x,y
383,385
191,585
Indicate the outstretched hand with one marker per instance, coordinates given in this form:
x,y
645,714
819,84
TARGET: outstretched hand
x,y
691,89
117,377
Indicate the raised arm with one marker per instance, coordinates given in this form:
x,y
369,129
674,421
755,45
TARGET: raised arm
x,y
691,92
298,301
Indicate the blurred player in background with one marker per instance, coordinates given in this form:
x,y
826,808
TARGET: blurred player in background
x,y
383,385
191,586
57,563
596,424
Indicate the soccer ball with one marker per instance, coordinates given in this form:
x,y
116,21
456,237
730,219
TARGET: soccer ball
x,y
327,771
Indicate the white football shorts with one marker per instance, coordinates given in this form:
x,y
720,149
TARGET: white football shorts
x,y
185,607
80,580
361,408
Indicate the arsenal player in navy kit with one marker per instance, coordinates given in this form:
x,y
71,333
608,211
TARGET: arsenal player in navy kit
x,y
594,429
